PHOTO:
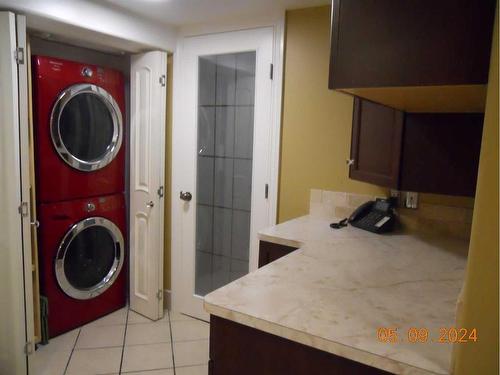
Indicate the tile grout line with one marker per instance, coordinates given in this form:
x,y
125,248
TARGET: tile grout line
x,y
124,338
171,341
72,350
151,343
159,368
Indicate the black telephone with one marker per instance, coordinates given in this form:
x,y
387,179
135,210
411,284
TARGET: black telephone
x,y
374,216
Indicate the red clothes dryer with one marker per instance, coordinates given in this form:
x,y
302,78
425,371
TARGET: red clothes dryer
x,y
82,257
79,113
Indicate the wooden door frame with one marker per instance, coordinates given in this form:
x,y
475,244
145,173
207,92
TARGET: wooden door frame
x,y
278,27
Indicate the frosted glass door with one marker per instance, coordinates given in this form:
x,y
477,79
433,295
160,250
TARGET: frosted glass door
x,y
226,94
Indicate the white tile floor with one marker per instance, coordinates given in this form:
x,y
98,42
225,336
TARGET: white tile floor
x,y
127,343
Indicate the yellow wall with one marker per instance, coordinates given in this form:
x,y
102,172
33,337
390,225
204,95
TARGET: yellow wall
x,y
167,272
480,309
316,127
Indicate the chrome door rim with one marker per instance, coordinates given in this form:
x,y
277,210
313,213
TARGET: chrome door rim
x,y
112,274
116,115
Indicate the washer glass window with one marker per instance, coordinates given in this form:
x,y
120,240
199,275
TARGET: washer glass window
x,y
89,258
86,127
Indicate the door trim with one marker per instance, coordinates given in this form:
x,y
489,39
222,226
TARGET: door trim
x,y
274,141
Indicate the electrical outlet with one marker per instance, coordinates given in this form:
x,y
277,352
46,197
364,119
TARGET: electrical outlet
x,y
411,200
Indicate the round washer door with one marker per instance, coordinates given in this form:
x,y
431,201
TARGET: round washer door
x,y
89,258
86,127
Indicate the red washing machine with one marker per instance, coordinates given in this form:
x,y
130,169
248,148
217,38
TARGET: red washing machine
x,y
79,129
82,259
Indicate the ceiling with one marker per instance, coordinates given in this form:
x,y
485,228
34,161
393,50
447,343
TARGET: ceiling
x,y
189,12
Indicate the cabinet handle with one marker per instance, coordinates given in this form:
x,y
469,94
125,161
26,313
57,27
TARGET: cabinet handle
x,y
150,204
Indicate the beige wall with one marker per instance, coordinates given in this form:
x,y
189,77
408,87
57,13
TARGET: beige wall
x,y
480,309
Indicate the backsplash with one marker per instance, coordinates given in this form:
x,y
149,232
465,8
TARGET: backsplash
x,y
427,218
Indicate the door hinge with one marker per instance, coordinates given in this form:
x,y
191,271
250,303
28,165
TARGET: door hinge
x,y
19,55
23,209
271,71
159,294
266,191
29,348
160,191
163,80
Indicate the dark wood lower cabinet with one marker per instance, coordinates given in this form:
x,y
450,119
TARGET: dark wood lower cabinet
x,y
269,252
242,350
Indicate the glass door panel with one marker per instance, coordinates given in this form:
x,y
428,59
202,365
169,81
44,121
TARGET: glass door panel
x,y
226,94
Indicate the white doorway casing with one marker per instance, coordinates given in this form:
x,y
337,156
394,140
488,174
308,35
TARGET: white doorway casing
x,y
268,44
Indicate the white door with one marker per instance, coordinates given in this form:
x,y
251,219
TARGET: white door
x,y
221,161
147,161
16,294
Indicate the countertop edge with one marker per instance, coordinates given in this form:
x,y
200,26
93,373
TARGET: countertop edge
x,y
354,354
280,240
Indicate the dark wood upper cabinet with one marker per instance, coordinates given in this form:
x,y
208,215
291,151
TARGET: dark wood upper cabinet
x,y
440,153
377,132
422,152
415,55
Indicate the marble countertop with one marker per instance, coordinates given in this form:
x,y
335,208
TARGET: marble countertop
x,y
342,285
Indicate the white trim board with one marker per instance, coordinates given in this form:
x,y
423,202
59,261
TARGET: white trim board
x,y
99,25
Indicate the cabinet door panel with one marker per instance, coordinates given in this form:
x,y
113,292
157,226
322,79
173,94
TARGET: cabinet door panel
x,y
441,152
376,143
242,350
410,42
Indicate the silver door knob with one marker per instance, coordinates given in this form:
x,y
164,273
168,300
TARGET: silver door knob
x,y
186,196
150,204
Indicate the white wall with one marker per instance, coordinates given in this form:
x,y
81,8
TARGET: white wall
x,y
97,24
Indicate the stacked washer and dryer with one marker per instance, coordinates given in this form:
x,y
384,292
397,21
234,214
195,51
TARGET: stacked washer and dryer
x,y
80,178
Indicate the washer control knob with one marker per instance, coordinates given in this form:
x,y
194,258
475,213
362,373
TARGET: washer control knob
x,y
90,207
87,72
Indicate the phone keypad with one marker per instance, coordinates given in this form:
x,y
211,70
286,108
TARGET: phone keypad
x,y
370,220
